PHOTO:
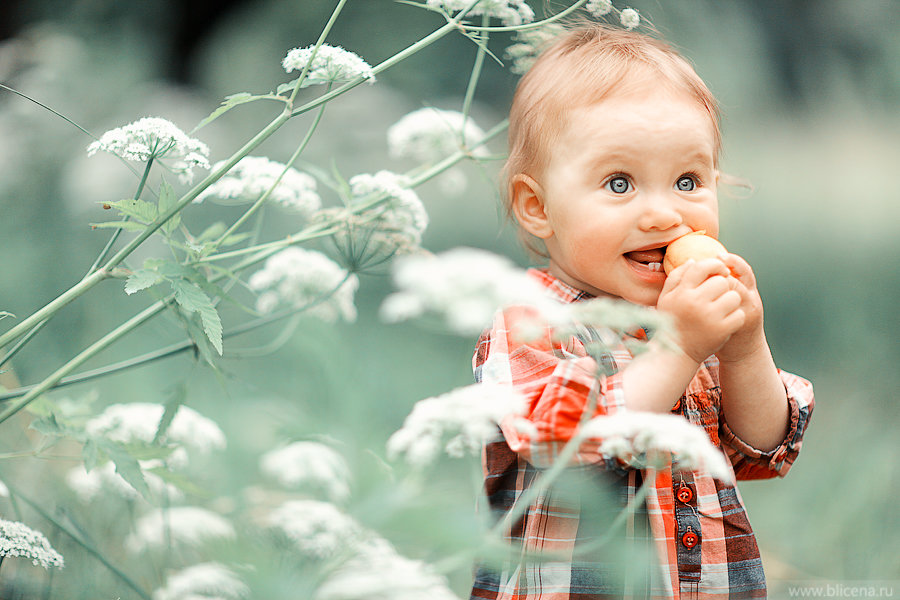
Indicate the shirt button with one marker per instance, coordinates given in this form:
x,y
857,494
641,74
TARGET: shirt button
x,y
684,494
690,539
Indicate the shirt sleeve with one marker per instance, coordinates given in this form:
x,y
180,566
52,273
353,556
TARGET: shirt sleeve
x,y
561,386
751,463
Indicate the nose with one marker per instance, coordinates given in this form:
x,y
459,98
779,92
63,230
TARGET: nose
x,y
659,212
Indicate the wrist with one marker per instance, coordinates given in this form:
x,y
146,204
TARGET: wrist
x,y
740,349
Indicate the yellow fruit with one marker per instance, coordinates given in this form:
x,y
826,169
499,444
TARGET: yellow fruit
x,y
696,245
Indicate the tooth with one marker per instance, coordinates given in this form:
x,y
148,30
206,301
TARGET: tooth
x,y
655,266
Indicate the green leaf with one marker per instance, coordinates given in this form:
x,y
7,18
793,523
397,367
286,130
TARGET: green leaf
x,y
49,426
193,299
172,406
212,232
227,104
126,225
141,280
169,269
90,453
167,200
180,481
139,210
127,466
212,325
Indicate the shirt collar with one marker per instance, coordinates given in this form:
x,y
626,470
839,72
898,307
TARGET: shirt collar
x,y
558,288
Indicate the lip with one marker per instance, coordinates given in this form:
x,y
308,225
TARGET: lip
x,y
644,273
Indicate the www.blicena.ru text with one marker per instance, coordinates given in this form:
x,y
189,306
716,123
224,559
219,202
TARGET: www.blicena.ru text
x,y
881,589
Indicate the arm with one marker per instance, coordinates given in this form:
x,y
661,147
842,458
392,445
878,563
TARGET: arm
x,y
754,400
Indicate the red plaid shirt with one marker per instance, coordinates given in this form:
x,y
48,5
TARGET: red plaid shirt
x,y
693,528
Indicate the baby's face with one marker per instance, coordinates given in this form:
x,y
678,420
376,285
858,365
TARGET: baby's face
x,y
627,176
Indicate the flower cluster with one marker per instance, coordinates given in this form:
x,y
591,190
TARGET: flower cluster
x,y
463,287
457,422
378,572
210,580
431,134
99,481
253,176
643,439
331,64
509,12
155,138
181,526
309,466
599,8
529,44
400,220
20,541
139,421
315,529
629,18
299,277
368,566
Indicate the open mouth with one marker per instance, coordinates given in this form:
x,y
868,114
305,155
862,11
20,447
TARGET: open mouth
x,y
651,258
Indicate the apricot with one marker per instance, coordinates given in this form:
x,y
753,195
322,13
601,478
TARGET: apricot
x,y
696,245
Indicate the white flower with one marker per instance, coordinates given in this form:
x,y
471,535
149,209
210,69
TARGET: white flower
x,y
309,465
509,12
629,18
210,580
152,137
648,439
457,422
331,64
378,572
529,44
20,541
89,485
463,287
297,277
138,421
598,8
401,218
183,526
252,176
316,529
431,134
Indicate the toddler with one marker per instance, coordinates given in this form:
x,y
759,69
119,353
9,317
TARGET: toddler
x,y
614,148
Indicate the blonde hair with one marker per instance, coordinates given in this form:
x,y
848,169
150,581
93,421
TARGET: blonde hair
x,y
585,65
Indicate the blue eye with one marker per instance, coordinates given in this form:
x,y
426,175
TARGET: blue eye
x,y
686,183
618,185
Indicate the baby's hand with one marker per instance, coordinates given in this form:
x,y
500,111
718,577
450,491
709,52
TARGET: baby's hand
x,y
706,305
750,337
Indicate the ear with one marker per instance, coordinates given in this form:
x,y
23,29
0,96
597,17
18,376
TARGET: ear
x,y
528,206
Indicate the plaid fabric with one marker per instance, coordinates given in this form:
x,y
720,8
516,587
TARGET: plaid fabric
x,y
556,546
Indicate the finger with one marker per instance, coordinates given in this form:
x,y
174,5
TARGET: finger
x,y
740,269
716,285
696,272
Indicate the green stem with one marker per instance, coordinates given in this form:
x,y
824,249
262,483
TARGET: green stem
x,y
382,66
165,352
84,544
118,232
262,199
94,278
50,381
22,341
533,25
325,31
53,307
473,78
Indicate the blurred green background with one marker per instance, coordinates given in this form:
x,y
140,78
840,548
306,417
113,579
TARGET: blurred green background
x,y
810,92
